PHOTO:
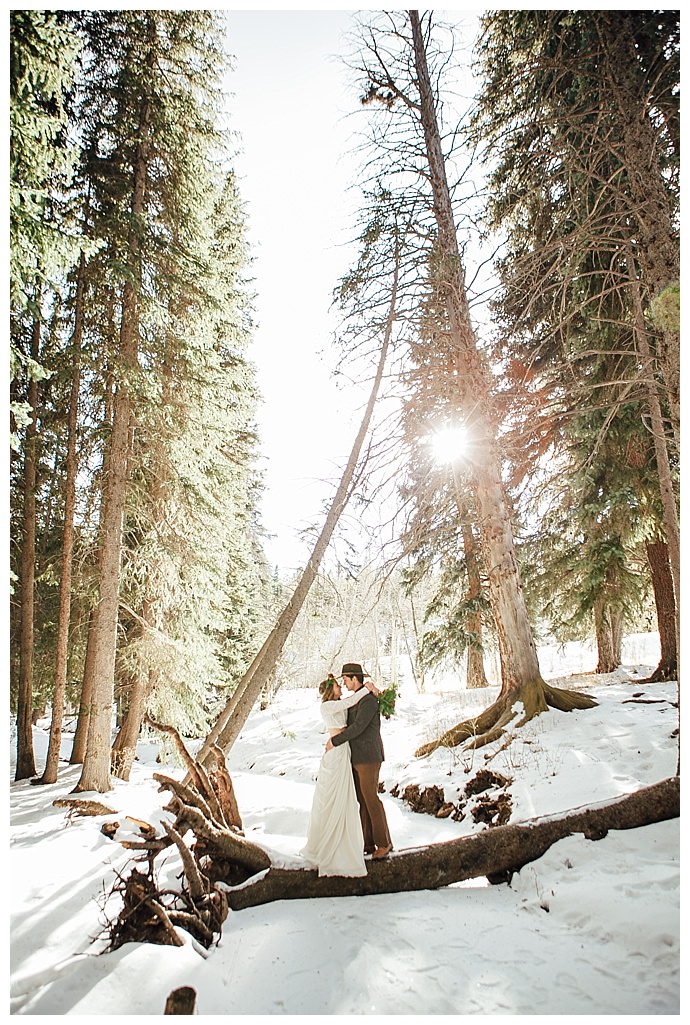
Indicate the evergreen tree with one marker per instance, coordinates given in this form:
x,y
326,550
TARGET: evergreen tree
x,y
42,56
396,71
591,223
169,381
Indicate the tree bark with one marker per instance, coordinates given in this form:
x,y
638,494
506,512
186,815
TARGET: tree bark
x,y
413,655
519,662
476,675
662,583
125,744
82,730
236,712
495,853
96,768
143,679
602,625
181,1001
617,634
50,772
26,765
668,498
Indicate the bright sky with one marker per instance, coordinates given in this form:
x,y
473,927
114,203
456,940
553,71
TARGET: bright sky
x,y
297,119
290,105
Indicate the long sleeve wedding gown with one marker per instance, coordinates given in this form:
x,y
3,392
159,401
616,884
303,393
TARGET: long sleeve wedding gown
x,y
335,843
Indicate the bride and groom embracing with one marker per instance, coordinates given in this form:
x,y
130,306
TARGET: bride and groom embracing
x,y
347,818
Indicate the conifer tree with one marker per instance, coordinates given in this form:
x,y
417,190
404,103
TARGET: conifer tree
x,y
395,67
590,219
153,144
42,55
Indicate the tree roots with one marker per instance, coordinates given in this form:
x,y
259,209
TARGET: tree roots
x,y
529,701
207,807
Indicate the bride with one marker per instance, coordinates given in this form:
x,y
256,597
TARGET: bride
x,y
335,843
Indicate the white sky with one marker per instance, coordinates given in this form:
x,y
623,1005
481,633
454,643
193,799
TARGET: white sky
x,y
297,118
289,105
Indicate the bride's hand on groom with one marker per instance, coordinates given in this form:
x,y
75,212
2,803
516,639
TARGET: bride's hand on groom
x,y
370,686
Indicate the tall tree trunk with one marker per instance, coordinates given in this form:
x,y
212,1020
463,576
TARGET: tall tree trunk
x,y
96,769
61,655
26,765
522,684
617,634
518,652
602,625
668,499
236,712
662,584
476,675
413,655
142,680
125,745
82,731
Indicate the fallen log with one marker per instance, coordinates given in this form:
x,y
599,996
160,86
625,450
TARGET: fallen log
x,y
495,853
224,842
83,806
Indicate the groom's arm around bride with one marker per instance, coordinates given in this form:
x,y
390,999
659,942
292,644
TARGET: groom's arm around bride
x,y
363,733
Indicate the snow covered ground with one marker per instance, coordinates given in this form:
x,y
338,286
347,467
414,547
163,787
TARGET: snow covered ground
x,y
591,928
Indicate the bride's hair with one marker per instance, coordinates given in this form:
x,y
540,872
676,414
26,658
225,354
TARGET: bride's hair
x,y
326,688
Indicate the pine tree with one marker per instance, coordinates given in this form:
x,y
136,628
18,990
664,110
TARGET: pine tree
x,y
148,126
396,70
579,119
42,56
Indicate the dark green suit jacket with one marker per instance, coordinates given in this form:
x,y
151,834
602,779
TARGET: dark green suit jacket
x,y
363,732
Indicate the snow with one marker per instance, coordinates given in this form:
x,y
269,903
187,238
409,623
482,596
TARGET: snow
x,y
593,927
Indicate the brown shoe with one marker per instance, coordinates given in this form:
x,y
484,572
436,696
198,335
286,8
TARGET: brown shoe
x,y
382,852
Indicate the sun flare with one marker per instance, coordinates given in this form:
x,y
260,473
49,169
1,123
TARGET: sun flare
x,y
450,444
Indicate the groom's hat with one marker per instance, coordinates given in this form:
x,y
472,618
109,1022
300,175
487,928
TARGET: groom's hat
x,y
352,669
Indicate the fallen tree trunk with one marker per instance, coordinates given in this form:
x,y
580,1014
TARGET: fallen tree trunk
x,y
496,853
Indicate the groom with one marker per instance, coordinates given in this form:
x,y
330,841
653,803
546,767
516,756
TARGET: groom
x,y
363,733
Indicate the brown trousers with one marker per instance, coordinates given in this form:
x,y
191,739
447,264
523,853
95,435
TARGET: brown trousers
x,y
371,810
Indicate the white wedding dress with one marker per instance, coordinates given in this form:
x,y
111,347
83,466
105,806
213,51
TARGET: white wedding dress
x,y
335,843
